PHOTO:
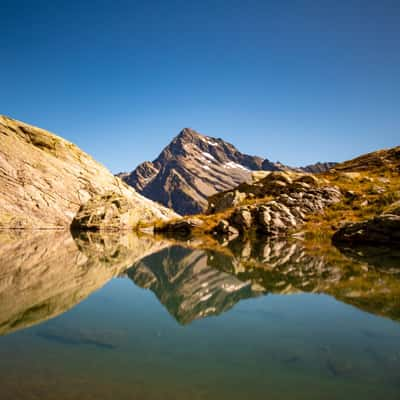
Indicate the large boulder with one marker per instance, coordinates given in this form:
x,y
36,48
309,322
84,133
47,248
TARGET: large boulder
x,y
381,230
226,200
110,212
44,180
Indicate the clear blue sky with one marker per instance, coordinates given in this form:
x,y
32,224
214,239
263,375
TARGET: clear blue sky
x,y
295,81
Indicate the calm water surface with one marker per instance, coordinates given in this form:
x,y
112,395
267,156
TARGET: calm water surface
x,y
133,319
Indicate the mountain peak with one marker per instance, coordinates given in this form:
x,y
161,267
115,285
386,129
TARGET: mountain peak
x,y
189,135
188,132
191,168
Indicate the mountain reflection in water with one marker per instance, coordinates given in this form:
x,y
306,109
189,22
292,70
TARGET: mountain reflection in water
x,y
194,284
44,274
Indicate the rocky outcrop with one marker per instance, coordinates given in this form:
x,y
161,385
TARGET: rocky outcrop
x,y
45,273
295,196
111,212
44,180
384,229
192,168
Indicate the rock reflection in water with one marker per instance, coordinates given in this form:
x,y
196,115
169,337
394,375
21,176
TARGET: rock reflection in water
x,y
194,284
43,274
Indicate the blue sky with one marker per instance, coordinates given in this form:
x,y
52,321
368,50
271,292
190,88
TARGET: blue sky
x,y
294,81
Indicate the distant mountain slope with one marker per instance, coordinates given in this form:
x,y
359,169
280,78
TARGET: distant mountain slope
x,y
318,167
385,159
192,168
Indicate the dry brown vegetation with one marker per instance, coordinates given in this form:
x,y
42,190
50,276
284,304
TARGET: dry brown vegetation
x,y
366,194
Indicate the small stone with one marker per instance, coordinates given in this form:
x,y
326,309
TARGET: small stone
x,y
350,194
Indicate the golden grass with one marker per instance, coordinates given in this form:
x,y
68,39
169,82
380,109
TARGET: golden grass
x,y
373,192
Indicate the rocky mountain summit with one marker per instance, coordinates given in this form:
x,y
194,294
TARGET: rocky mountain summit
x,y
192,168
44,180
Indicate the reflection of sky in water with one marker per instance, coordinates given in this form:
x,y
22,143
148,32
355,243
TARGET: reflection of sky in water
x,y
279,347
71,337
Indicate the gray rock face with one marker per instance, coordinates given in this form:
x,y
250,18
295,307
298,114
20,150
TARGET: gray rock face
x,y
192,168
44,180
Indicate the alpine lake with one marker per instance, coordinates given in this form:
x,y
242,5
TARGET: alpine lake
x,y
96,316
